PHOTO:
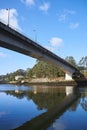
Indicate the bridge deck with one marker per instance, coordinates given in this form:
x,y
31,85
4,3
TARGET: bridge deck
x,y
15,41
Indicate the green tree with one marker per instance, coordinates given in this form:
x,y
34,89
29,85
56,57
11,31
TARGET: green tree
x,y
11,76
20,72
83,61
71,60
43,69
29,73
83,64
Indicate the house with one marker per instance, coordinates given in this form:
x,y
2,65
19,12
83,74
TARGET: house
x,y
18,77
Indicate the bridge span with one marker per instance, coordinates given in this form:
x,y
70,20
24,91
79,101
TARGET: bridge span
x,y
15,41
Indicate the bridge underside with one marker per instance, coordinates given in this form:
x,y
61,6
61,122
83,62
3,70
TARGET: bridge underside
x,y
15,41
76,75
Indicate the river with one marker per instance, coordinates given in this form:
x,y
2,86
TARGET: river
x,y
24,105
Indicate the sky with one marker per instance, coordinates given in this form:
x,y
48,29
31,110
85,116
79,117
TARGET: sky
x,y
58,25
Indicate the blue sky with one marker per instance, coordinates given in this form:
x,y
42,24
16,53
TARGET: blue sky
x,y
58,25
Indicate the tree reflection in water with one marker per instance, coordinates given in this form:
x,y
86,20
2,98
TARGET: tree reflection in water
x,y
47,97
44,97
83,100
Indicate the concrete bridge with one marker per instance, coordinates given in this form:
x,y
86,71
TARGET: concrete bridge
x,y
15,41
44,120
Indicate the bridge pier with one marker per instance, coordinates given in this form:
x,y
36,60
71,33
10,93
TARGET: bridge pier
x,y
69,90
68,76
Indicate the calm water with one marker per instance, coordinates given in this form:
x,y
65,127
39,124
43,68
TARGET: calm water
x,y
19,104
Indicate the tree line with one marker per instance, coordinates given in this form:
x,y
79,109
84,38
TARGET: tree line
x,y
44,70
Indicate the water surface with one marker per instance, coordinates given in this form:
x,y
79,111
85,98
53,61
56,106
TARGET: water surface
x,y
21,104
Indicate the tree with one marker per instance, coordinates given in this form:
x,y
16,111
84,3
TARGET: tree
x,y
11,76
43,69
71,60
29,73
83,64
83,61
20,72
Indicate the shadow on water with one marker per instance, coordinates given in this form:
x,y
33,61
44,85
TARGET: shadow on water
x,y
44,121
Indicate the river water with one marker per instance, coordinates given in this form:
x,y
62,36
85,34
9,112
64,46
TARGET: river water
x,y
21,104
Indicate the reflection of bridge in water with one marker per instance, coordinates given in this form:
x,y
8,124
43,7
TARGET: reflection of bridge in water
x,y
44,120
43,96
15,41
67,90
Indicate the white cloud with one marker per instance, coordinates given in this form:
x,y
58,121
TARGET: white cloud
x,y
62,17
44,7
56,42
65,15
28,2
74,25
13,21
3,55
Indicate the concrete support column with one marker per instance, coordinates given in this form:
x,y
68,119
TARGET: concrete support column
x,y
69,90
68,76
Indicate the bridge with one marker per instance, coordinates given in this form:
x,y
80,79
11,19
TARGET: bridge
x,y
15,41
45,120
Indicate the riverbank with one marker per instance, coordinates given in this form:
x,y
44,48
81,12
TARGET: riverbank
x,y
54,83
50,82
62,83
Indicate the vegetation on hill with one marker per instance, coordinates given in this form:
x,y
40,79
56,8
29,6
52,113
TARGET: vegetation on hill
x,y
44,70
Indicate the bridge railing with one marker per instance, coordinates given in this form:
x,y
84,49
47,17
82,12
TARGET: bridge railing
x,y
18,30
